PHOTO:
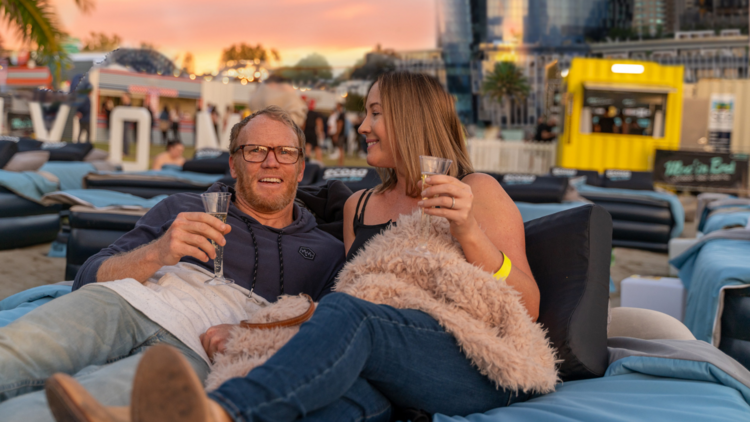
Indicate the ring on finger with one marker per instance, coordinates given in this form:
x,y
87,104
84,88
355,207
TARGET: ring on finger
x,y
453,204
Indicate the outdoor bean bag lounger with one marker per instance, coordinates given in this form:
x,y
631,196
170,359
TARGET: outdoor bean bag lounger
x,y
626,179
210,161
721,213
59,151
148,184
642,219
717,264
533,189
735,325
24,219
355,178
92,229
593,178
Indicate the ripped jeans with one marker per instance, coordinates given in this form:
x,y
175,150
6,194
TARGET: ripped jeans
x,y
92,334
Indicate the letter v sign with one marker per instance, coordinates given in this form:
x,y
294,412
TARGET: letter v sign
x,y
54,134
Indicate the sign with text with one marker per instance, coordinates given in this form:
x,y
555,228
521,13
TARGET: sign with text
x,y
706,169
720,121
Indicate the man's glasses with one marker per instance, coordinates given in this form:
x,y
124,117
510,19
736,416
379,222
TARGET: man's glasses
x,y
258,153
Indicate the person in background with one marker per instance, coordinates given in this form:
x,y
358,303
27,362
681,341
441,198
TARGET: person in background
x,y
164,124
173,155
544,130
84,117
339,136
128,129
313,129
225,119
174,120
214,117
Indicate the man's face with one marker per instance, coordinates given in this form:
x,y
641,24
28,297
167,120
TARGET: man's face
x,y
268,186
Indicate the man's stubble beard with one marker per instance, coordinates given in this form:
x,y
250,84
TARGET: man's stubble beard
x,y
246,189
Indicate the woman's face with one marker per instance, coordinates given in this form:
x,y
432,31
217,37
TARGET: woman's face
x,y
379,152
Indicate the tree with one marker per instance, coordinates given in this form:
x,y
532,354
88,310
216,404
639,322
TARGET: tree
x,y
99,41
311,68
244,51
375,63
148,45
506,83
188,63
36,24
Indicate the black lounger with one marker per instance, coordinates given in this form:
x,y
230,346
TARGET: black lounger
x,y
735,325
25,223
533,189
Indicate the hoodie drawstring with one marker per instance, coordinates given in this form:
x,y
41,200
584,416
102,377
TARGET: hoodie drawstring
x,y
281,264
255,266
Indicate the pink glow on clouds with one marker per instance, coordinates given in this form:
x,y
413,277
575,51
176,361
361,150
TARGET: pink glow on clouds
x,y
341,30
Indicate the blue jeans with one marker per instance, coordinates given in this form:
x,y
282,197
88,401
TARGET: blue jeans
x,y
93,334
351,359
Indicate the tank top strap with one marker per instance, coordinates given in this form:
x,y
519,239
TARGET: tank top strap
x,y
359,214
461,177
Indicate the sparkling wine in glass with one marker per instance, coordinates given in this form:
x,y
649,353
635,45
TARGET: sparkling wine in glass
x,y
216,204
429,166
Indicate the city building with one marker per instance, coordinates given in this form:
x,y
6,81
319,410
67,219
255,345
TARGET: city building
x,y
650,17
532,34
429,62
704,54
454,32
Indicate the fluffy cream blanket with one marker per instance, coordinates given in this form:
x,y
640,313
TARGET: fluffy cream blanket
x,y
485,315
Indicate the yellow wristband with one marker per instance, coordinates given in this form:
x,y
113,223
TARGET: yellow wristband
x,y
504,270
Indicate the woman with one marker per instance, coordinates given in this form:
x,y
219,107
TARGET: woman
x,y
355,360
172,156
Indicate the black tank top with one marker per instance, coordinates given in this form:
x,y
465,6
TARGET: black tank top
x,y
364,232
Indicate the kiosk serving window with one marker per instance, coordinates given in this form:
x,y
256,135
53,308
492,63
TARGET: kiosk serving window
x,y
624,112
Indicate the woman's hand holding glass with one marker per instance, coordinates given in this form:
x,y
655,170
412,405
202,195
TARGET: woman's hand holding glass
x,y
456,202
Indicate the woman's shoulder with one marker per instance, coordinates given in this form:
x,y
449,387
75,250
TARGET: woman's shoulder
x,y
482,181
487,191
351,203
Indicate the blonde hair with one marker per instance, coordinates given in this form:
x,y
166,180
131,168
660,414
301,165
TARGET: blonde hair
x,y
420,119
272,112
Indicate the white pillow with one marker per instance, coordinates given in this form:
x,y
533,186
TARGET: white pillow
x,y
27,161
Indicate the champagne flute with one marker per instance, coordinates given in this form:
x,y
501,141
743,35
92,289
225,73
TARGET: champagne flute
x,y
429,166
216,204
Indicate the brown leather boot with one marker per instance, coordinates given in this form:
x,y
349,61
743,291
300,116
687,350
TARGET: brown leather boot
x,y
70,402
166,388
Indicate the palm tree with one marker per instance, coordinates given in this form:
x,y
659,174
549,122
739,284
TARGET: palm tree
x,y
506,83
35,22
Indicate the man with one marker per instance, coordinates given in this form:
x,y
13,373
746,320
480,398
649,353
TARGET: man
x,y
313,132
272,246
84,117
544,131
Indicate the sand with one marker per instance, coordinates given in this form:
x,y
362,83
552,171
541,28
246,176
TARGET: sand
x,y
24,268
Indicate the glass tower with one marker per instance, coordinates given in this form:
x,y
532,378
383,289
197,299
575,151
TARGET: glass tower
x,y
545,23
455,40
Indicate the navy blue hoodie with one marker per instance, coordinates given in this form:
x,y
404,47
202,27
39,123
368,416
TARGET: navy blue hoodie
x,y
310,258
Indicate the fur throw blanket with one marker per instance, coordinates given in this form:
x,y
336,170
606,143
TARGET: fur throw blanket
x,y
484,315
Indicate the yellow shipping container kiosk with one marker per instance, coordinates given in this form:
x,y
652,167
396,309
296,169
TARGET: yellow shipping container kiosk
x,y
618,112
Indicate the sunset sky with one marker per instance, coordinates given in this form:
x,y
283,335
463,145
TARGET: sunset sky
x,y
341,30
